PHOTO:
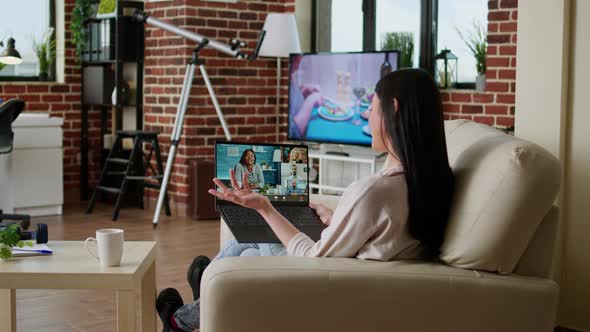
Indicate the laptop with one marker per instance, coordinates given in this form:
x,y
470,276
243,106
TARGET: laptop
x,y
278,171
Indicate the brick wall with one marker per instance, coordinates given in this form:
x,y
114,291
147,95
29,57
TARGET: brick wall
x,y
61,100
245,89
495,106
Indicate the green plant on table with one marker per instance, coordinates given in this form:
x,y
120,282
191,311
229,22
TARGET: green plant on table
x,y
264,189
476,41
9,237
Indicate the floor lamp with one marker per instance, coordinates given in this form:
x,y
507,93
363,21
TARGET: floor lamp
x,y
232,49
280,40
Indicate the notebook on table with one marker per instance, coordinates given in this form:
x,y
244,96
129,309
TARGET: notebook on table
x,y
38,249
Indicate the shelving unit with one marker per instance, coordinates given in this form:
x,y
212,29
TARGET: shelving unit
x,y
128,42
355,159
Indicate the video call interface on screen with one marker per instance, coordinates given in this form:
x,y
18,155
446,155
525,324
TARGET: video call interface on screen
x,y
276,171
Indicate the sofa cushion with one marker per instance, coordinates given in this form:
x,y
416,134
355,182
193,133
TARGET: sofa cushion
x,y
504,187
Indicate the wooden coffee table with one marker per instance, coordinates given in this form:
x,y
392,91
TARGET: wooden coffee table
x,y
72,267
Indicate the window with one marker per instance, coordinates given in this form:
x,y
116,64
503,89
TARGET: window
x,y
397,20
26,25
462,15
354,25
347,26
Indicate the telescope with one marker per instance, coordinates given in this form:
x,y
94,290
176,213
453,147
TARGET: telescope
x,y
232,49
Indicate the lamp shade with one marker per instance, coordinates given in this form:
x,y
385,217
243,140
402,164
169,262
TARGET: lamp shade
x,y
10,55
281,37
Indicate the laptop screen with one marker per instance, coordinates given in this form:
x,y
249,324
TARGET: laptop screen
x,y
278,171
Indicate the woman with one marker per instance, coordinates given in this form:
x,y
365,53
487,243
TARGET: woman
x,y
303,98
248,166
399,213
296,156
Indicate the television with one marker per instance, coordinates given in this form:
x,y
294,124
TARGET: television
x,y
330,93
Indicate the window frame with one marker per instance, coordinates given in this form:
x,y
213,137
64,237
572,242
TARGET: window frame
x,y
428,33
52,69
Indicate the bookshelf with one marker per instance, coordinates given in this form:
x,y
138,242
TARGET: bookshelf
x,y
112,65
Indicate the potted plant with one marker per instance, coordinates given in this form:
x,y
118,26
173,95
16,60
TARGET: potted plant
x,y
402,42
476,41
263,164
83,10
264,189
45,51
9,238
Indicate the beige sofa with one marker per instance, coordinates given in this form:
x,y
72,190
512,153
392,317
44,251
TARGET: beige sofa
x,y
495,276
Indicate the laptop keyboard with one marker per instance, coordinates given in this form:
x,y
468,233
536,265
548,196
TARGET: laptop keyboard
x,y
297,215
237,215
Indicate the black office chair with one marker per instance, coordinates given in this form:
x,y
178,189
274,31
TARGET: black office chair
x,y
9,111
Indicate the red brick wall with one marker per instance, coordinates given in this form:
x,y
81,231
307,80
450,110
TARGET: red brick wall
x,y
245,89
62,100
495,106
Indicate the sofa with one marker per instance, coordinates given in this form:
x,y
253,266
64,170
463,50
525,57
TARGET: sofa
x,y
493,273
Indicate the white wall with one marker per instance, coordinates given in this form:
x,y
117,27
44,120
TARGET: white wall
x,y
60,57
541,89
575,280
552,109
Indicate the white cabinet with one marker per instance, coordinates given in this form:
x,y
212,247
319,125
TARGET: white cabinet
x,y
31,176
336,172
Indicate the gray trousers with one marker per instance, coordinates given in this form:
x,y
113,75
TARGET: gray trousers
x,y
187,317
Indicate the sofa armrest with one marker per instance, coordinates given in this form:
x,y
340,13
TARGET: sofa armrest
x,y
291,294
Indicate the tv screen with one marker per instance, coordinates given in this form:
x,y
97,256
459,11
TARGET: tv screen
x,y
330,93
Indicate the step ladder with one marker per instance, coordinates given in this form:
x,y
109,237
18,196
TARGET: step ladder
x,y
135,168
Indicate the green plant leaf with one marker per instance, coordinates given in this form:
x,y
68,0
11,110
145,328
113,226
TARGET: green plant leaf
x,y
106,6
476,42
9,235
45,51
5,253
81,12
402,42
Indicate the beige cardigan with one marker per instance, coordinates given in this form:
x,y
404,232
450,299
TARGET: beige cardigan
x,y
370,222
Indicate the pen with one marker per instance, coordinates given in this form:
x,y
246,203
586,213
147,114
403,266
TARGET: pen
x,y
35,250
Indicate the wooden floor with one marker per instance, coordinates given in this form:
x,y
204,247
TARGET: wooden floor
x,y
180,239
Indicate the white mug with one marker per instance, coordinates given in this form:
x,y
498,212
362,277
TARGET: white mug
x,y
110,246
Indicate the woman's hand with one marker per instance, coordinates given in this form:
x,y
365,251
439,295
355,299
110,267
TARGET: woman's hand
x,y
324,212
315,99
250,185
244,196
308,89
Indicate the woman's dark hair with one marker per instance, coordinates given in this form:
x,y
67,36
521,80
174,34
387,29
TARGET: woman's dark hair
x,y
416,132
243,159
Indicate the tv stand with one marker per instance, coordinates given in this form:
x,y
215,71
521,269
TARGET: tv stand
x,y
350,160
338,153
